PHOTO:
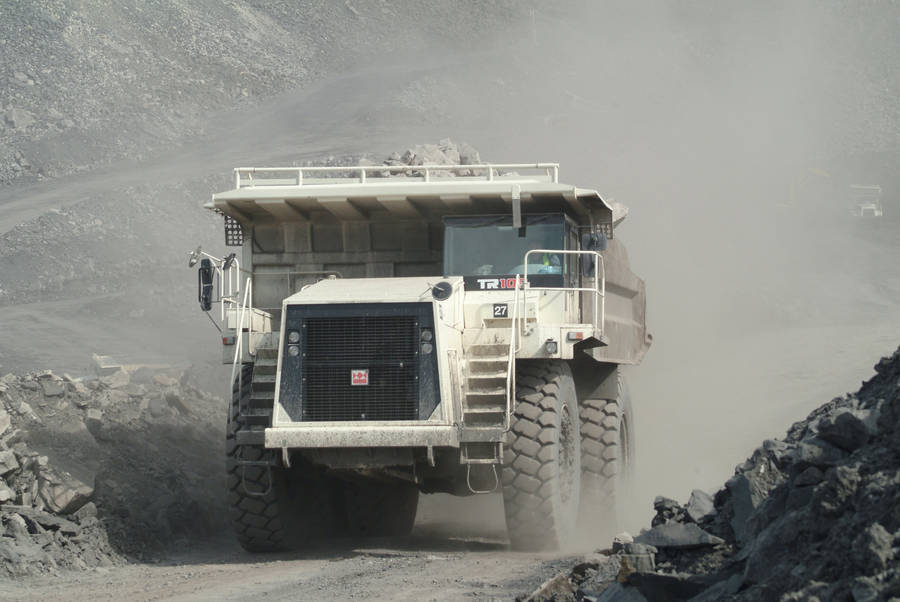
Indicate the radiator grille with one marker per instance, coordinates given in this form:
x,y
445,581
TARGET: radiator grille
x,y
386,346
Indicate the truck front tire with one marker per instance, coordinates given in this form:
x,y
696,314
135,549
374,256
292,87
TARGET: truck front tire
x,y
542,458
256,519
273,508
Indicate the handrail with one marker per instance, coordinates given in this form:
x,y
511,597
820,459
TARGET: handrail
x,y
246,307
599,289
244,176
229,285
511,362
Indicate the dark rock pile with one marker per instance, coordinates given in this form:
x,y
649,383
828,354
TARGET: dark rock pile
x,y
99,469
815,516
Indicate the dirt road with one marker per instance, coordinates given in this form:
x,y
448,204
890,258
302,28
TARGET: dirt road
x,y
451,555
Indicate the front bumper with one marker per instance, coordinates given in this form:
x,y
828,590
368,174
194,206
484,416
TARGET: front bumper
x,y
361,435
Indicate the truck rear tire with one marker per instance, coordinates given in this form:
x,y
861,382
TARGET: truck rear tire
x,y
542,459
380,509
606,462
272,508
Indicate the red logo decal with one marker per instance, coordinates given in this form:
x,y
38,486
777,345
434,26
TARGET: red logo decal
x,y
359,377
496,283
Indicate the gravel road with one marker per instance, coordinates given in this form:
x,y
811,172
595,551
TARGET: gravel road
x,y
446,558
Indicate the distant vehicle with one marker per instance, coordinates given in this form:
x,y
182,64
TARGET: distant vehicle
x,y
454,329
866,201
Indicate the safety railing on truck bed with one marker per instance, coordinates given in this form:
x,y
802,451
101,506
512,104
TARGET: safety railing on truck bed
x,y
246,177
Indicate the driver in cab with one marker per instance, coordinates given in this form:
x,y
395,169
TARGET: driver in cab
x,y
547,263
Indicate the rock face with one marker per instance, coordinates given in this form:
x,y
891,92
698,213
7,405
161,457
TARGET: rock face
x,y
815,516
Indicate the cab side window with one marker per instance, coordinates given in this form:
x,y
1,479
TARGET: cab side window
x,y
571,261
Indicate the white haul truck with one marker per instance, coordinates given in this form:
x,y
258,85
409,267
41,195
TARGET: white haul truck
x,y
393,331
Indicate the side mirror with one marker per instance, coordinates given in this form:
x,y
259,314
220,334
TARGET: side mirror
x,y
228,262
205,284
592,241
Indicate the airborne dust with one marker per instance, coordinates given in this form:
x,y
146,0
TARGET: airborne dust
x,y
732,131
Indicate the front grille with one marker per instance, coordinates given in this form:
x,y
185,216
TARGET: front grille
x,y
385,346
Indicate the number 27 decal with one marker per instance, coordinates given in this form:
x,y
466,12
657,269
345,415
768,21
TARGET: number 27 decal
x,y
501,310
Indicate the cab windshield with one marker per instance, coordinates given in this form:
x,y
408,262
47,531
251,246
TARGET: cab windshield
x,y
489,245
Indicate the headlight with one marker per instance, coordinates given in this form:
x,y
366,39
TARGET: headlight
x,y
293,350
427,335
427,348
293,336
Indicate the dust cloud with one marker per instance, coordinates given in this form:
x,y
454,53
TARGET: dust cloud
x,y
732,131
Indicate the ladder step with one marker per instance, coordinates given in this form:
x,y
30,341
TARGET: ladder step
x,y
482,461
494,350
486,369
496,409
252,419
497,374
482,434
263,378
267,352
486,392
244,437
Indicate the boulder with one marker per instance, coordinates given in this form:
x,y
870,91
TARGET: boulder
x,y
667,510
93,419
87,511
846,431
666,587
6,494
8,462
41,521
618,592
52,387
872,549
16,527
700,505
747,493
810,476
63,493
622,538
116,380
678,536
5,421
468,155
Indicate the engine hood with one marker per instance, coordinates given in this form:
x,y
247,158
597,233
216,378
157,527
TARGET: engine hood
x,y
371,290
